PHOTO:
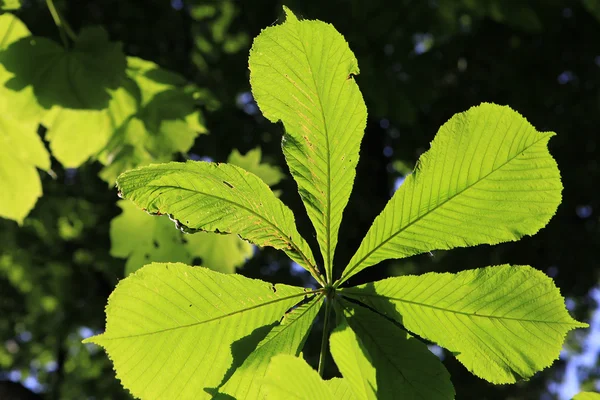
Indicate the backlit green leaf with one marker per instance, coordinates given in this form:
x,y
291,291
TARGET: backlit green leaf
x,y
286,338
354,361
11,30
141,239
504,323
77,135
587,396
302,73
488,178
290,377
162,121
10,5
79,78
218,198
21,105
22,148
173,331
340,389
223,253
382,361
22,152
250,161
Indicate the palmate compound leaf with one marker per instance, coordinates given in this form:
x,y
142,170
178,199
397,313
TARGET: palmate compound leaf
x,y
286,338
174,331
301,73
488,178
218,198
503,323
290,377
382,361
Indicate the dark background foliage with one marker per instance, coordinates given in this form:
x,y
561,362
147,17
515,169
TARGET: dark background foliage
x,y
420,61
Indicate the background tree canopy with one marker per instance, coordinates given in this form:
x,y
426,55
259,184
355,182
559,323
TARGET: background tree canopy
x,y
187,71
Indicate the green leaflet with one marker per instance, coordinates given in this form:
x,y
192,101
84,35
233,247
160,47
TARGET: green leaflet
x,y
218,198
10,5
290,377
22,152
286,338
504,323
301,73
340,389
354,361
250,161
488,178
163,119
173,331
77,79
381,361
149,117
11,30
223,253
76,135
141,238
22,148
587,396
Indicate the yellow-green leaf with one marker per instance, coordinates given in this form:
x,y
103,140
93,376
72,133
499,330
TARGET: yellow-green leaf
x,y
302,73
504,323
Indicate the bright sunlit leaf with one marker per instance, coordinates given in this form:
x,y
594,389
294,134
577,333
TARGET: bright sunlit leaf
x,y
22,152
381,360
6,5
302,73
173,331
290,377
286,338
488,178
504,323
218,198
22,149
587,396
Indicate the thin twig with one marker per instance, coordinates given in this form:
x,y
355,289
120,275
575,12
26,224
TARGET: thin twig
x,y
63,27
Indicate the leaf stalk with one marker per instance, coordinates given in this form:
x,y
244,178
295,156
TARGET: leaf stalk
x,y
63,27
325,336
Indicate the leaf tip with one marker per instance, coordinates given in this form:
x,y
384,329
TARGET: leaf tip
x,y
289,15
96,339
